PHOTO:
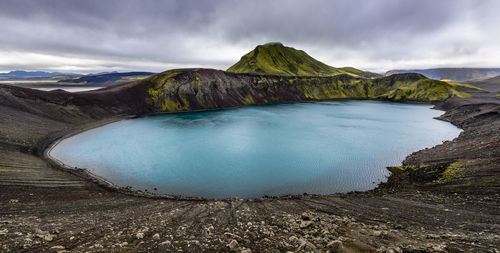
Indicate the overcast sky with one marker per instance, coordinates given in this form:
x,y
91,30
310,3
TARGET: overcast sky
x,y
122,35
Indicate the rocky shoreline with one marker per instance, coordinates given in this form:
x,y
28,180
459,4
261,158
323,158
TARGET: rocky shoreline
x,y
443,199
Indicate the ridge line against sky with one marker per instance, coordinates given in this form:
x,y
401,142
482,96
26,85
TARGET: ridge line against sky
x,y
126,35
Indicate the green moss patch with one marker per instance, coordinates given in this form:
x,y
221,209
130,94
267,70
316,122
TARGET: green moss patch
x,y
453,170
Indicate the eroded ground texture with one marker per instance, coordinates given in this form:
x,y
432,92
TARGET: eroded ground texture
x,y
444,199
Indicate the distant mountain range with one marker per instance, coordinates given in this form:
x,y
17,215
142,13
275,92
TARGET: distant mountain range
x,y
72,80
28,74
456,74
98,78
104,79
275,58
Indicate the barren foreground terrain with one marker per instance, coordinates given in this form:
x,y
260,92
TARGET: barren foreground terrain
x,y
444,199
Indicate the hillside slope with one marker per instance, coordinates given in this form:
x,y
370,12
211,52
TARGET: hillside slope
x,y
455,74
491,84
199,89
275,58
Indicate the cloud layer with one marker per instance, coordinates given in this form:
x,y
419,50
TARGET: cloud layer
x,y
377,35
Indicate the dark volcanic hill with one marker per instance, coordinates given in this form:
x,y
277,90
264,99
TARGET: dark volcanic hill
x,y
456,74
275,58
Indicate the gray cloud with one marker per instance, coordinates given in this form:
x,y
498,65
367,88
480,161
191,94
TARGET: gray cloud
x,y
156,35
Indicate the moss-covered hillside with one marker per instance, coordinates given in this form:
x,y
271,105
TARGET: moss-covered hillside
x,y
274,58
199,89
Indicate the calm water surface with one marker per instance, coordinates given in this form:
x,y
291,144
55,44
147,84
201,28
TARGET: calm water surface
x,y
68,89
323,147
43,85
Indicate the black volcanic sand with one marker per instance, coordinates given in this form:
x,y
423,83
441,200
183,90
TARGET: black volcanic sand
x,y
47,209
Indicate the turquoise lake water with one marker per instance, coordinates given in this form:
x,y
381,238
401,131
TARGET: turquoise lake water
x,y
249,152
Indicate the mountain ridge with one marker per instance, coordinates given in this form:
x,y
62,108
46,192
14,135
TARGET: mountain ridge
x,y
28,74
455,74
275,58
203,89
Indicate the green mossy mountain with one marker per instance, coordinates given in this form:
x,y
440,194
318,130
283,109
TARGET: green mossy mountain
x,y
202,89
275,58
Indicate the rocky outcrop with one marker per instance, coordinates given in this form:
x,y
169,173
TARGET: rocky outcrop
x,y
201,89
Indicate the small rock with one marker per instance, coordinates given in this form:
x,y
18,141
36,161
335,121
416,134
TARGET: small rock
x,y
294,240
305,216
123,244
233,235
209,228
233,245
305,224
377,233
58,247
195,242
246,251
44,235
382,249
72,238
433,236
156,236
13,201
306,245
166,243
48,237
139,235
439,247
334,245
